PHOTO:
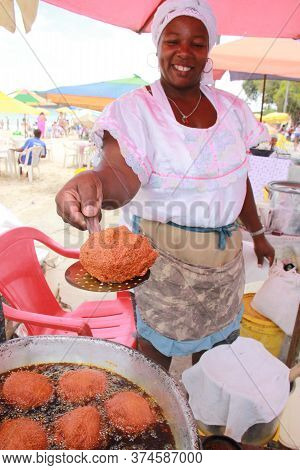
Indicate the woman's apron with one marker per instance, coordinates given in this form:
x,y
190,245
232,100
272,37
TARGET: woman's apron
x,y
196,284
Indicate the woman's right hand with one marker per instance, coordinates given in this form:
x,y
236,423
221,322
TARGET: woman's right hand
x,y
79,198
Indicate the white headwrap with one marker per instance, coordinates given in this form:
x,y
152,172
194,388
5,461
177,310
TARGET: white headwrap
x,y
199,9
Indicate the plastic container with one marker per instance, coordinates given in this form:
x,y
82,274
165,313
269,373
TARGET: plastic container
x,y
256,326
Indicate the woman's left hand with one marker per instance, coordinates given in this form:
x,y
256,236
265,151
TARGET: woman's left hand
x,y
263,249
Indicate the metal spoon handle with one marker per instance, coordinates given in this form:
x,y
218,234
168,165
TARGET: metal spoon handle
x,y
92,224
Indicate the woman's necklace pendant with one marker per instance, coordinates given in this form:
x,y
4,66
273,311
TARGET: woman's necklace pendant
x,y
184,118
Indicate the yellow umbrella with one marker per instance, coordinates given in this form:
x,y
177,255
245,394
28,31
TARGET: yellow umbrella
x,y
279,118
10,105
271,129
65,110
87,119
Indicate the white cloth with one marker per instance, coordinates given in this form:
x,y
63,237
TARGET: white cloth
x,y
199,9
237,386
279,297
193,177
265,169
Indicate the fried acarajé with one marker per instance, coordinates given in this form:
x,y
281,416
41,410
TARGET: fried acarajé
x,y
26,389
77,386
22,434
79,429
129,412
117,255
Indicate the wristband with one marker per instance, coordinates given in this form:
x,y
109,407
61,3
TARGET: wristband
x,y
258,232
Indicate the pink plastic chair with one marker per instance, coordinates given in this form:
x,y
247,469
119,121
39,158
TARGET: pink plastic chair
x,y
23,285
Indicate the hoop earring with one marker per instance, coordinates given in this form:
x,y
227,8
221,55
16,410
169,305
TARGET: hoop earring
x,y
150,58
212,66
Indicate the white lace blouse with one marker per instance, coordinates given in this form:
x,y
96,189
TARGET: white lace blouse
x,y
192,177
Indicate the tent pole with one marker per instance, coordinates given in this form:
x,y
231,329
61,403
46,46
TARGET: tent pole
x,y
263,98
286,98
25,129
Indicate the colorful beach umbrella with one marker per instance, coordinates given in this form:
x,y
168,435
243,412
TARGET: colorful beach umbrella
x,y
42,101
10,105
30,97
94,95
259,58
25,97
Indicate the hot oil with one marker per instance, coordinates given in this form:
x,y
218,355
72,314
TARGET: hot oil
x,y
158,436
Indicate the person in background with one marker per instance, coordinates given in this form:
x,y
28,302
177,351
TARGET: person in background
x,y
62,124
297,136
282,128
273,142
41,124
55,131
67,128
32,142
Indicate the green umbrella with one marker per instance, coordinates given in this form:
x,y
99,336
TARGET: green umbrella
x,y
25,97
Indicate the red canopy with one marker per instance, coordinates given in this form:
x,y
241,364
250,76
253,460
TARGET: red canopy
x,y
260,18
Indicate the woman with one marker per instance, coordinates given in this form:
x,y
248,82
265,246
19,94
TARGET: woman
x,y
176,154
41,124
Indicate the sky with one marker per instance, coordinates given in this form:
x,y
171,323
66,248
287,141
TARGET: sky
x,y
64,48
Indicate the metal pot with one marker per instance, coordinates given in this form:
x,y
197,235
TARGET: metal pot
x,y
285,207
257,435
117,358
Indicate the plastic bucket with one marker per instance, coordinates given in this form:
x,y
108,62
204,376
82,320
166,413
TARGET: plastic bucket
x,y
256,326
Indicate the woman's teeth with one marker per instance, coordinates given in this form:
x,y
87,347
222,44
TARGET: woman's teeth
x,y
181,68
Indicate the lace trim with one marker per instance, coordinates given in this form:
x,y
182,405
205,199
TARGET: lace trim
x,y
255,138
202,185
140,165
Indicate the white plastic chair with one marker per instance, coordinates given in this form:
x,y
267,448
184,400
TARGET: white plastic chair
x,y
4,158
7,156
36,153
90,152
71,151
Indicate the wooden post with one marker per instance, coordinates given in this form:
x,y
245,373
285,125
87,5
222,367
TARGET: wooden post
x,y
294,342
263,98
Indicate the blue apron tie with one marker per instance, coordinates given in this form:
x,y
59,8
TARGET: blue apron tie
x,y
224,232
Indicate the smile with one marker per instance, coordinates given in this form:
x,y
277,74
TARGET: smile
x,y
181,68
